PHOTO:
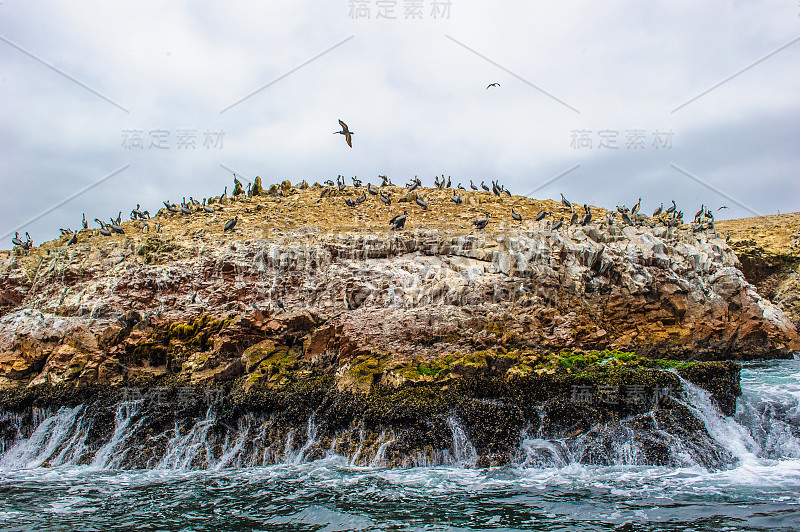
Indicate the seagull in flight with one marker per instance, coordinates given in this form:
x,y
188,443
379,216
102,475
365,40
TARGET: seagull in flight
x,y
348,135
492,85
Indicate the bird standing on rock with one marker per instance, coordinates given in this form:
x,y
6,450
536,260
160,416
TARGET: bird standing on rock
x,y
517,216
566,202
230,224
421,203
480,223
399,221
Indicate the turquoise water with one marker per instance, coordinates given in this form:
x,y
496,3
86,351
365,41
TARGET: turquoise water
x,y
759,491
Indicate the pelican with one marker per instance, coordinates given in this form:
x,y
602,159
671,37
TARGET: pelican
x,y
472,185
671,209
517,216
421,203
456,199
207,208
636,207
699,213
348,135
541,215
362,198
371,190
557,224
350,202
566,202
658,210
84,223
484,187
387,199
480,223
73,240
16,240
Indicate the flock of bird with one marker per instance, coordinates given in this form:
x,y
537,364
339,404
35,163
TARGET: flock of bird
x,y
670,217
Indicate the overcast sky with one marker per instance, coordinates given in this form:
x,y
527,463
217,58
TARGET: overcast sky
x,y
139,102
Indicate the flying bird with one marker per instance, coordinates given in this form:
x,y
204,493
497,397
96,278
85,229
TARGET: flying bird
x,y
348,135
492,85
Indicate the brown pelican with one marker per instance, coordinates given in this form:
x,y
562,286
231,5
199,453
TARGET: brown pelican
x,y
517,216
386,198
371,190
557,224
658,210
348,135
566,202
480,223
421,203
671,209
84,223
541,215
472,185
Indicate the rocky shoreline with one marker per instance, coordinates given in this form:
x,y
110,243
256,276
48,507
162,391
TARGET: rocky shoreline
x,y
376,336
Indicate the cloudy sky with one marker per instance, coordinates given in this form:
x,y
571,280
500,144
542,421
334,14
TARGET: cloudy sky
x,y
110,104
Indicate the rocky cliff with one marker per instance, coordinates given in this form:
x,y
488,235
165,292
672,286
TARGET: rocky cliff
x,y
307,291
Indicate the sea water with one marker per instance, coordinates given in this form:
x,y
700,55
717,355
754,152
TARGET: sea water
x,y
544,490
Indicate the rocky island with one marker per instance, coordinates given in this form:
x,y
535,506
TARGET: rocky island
x,y
311,328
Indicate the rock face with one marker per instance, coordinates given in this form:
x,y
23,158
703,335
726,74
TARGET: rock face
x,y
200,305
406,347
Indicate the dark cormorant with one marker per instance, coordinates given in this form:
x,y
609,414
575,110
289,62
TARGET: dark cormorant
x,y
399,221
348,135
229,225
